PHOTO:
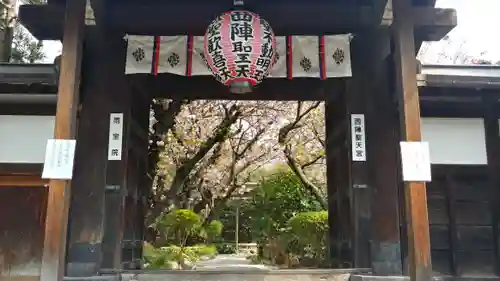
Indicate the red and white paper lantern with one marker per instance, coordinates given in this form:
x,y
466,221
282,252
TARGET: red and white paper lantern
x,y
240,49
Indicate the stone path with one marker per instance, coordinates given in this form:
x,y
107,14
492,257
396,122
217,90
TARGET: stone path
x,y
230,262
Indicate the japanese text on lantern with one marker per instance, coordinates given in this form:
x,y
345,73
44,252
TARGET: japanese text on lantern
x,y
358,137
264,62
240,47
214,48
242,33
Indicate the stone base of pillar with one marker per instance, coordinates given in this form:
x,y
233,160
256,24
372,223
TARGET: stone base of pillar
x,y
386,258
388,278
95,278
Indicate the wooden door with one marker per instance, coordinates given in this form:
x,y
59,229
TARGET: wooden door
x,y
23,204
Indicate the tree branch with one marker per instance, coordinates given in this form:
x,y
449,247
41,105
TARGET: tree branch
x,y
165,120
316,191
221,133
313,161
292,163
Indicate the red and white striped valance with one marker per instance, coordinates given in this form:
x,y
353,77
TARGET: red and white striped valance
x,y
298,56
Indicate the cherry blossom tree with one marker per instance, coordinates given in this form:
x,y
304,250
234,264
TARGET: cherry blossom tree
x,y
302,138
206,151
451,50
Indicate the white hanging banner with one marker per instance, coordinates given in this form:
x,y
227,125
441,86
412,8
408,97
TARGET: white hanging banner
x,y
305,56
115,136
279,68
173,52
338,56
199,66
358,137
172,56
139,54
59,159
416,163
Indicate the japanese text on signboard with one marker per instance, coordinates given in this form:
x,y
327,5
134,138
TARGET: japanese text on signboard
x,y
358,137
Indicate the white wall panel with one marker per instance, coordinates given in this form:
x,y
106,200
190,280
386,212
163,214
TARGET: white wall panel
x,y
23,138
455,140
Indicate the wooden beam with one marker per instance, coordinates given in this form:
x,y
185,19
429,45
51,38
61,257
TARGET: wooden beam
x,y
492,137
451,109
27,88
302,18
205,87
433,17
21,168
51,28
28,109
183,87
419,256
56,223
22,181
45,21
432,24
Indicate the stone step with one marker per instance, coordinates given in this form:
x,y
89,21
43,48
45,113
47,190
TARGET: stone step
x,y
243,275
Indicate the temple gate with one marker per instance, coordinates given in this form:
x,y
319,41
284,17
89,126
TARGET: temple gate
x,y
85,230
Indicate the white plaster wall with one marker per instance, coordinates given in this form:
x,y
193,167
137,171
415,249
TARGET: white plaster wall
x,y
455,140
23,138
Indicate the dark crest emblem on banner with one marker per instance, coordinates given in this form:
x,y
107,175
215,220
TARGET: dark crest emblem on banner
x,y
139,54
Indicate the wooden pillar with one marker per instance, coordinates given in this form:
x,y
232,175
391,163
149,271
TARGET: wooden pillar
x,y
101,94
143,186
121,101
369,219
338,179
419,256
56,223
375,182
128,254
382,149
492,131
137,159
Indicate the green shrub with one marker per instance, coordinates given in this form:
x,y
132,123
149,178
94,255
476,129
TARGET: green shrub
x,y
181,223
205,250
157,258
310,229
165,257
278,198
226,248
213,230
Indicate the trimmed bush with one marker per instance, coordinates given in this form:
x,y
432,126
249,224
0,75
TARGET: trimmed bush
x,y
310,229
213,230
157,258
181,224
166,257
204,250
226,248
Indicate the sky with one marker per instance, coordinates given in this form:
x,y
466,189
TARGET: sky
x,y
476,22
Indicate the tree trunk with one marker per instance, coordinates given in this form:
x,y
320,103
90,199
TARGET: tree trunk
x,y
7,34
